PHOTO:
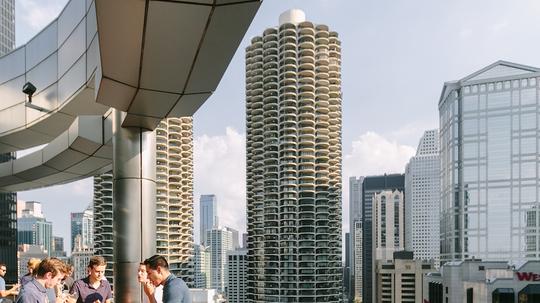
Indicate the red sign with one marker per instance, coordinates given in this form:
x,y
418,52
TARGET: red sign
x,y
527,276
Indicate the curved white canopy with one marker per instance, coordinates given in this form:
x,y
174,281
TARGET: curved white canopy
x,y
150,59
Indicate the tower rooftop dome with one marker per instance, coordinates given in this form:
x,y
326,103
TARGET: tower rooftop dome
x,y
293,16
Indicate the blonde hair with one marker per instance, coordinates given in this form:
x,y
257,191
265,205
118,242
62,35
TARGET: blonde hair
x,y
33,263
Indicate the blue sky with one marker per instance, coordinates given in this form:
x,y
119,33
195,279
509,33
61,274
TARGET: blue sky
x,y
396,55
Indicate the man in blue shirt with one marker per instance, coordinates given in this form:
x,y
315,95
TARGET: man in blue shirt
x,y
94,288
49,274
3,292
175,289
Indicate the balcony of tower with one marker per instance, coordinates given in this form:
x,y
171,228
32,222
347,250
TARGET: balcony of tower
x,y
287,31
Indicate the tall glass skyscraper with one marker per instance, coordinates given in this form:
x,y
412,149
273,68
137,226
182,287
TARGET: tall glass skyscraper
x,y
8,201
33,228
208,213
489,162
219,243
423,197
83,224
293,113
7,26
8,229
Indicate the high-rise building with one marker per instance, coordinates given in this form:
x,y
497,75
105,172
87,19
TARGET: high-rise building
x,y
293,114
422,196
76,227
8,220
489,164
244,240
58,247
400,278
83,224
88,227
388,226
358,281
236,276
30,209
80,257
103,216
354,279
8,201
174,200
370,186
33,228
235,242
7,26
201,266
219,243
388,238
209,215
347,283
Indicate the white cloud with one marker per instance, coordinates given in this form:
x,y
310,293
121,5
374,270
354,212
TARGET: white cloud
x,y
372,154
36,14
409,133
220,169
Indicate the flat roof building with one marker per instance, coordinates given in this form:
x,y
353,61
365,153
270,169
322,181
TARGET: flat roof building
x,y
483,282
400,280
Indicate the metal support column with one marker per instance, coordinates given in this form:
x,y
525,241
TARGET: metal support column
x,y
134,200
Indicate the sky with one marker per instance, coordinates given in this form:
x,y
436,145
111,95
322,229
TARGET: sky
x,y
396,55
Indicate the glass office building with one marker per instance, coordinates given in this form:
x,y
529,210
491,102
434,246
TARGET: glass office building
x,y
8,201
208,215
489,164
422,193
7,26
8,229
371,186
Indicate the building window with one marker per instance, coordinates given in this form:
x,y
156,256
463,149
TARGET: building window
x,y
469,295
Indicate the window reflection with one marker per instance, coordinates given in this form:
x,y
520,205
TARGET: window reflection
x,y
499,177
498,148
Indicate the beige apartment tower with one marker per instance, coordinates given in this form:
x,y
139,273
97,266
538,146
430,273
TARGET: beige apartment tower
x,y
400,279
293,116
174,200
103,217
388,223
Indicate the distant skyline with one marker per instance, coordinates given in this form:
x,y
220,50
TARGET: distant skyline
x,y
396,57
